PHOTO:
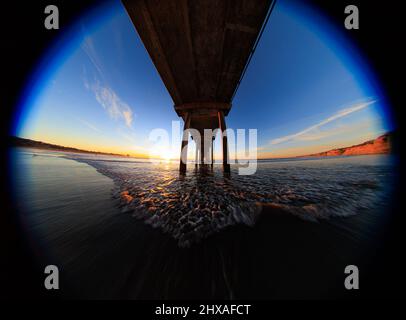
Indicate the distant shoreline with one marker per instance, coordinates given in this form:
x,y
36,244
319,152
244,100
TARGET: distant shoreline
x,y
379,145
28,143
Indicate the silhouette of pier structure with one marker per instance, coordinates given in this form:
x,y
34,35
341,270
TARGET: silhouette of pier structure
x,y
201,49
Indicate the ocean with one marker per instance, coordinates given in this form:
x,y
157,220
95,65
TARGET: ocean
x,y
128,228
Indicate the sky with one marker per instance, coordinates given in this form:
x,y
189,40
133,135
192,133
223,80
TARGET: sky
x,y
305,90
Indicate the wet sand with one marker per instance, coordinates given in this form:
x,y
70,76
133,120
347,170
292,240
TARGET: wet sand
x,y
105,253
280,257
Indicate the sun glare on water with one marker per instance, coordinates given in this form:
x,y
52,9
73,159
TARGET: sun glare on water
x,y
162,153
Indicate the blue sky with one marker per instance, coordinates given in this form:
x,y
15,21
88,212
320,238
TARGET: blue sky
x,y
304,91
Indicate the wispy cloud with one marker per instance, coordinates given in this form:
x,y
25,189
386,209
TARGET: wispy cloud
x,y
111,102
89,48
104,94
89,125
313,133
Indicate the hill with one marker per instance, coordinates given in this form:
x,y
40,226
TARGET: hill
x,y
28,143
380,145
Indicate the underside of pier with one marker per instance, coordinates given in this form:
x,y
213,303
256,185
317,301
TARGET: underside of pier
x,y
200,49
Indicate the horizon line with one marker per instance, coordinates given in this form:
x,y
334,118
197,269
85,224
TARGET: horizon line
x,y
144,156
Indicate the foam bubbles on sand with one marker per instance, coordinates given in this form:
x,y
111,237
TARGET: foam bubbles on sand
x,y
189,208
193,207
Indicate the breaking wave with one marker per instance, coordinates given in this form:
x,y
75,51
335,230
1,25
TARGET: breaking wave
x,y
193,207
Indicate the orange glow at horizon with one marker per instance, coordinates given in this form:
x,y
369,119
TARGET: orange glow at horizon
x,y
167,154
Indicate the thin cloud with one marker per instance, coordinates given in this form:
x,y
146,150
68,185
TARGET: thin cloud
x,y
313,133
89,125
111,102
89,48
107,98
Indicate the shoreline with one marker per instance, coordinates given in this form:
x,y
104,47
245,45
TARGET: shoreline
x,y
380,145
219,162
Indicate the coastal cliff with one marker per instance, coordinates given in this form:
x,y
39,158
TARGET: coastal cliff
x,y
380,145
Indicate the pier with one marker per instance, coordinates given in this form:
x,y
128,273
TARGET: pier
x,y
201,49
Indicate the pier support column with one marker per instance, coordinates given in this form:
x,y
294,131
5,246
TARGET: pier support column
x,y
183,150
222,126
212,153
202,151
197,155
206,146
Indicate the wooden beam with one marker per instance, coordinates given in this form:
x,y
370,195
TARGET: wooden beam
x,y
196,106
199,47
